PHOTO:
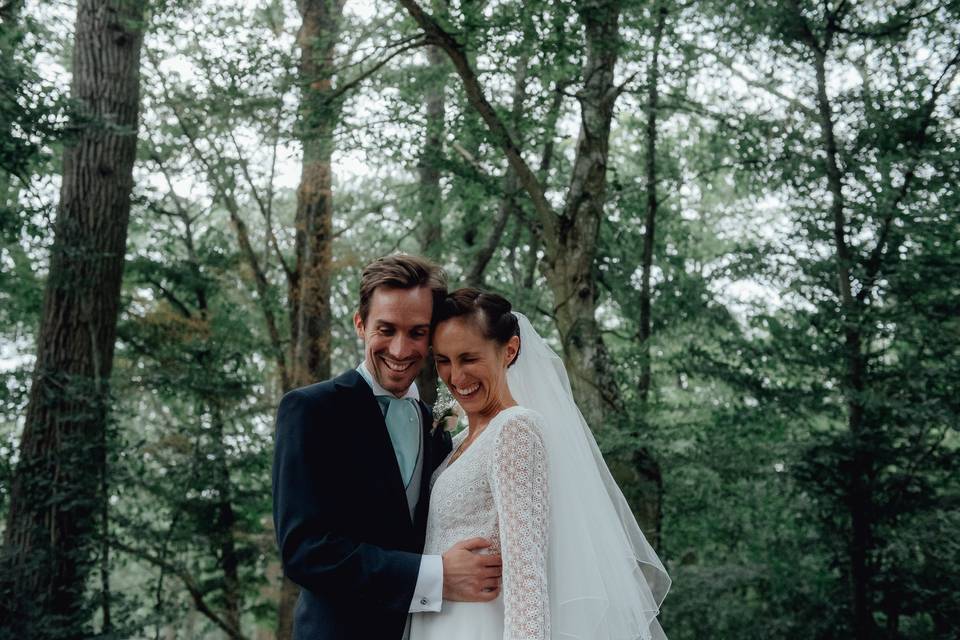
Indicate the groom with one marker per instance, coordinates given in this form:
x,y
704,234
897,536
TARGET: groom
x,y
351,476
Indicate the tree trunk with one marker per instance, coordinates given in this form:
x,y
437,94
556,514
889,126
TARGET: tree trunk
x,y
570,238
310,313
224,540
650,222
430,192
55,492
860,498
431,197
572,247
106,624
644,482
11,161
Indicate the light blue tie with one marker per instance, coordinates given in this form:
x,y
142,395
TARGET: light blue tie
x,y
403,425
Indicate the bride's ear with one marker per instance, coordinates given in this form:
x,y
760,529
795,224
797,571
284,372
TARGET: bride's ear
x,y
510,350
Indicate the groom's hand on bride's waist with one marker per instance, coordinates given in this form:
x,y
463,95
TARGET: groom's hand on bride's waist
x,y
469,576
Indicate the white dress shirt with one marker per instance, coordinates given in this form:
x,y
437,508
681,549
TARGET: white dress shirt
x,y
428,592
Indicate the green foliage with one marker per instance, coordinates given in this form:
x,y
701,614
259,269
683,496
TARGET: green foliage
x,y
748,412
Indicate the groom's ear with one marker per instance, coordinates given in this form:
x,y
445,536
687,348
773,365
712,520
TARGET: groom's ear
x,y
358,324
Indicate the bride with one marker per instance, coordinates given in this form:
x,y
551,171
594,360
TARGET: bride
x,y
526,474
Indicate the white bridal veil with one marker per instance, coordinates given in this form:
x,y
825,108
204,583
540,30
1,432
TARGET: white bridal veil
x,y
605,580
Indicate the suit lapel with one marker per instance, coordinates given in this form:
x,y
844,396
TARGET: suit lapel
x,y
377,453
426,423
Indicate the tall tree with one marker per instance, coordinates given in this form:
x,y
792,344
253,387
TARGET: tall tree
x,y
430,189
653,200
56,487
11,151
310,297
431,157
863,179
819,42
570,234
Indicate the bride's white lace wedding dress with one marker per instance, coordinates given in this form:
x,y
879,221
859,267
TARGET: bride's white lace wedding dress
x,y
497,489
575,563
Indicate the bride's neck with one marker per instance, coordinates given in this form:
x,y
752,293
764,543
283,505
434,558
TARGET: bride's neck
x,y
476,421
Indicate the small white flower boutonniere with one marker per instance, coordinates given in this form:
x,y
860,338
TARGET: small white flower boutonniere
x,y
446,410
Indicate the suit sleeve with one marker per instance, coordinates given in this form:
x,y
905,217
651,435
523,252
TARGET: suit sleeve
x,y
314,555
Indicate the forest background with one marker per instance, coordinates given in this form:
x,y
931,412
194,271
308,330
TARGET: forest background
x,y
737,223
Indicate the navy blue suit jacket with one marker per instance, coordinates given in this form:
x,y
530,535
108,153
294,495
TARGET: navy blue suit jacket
x,y
340,511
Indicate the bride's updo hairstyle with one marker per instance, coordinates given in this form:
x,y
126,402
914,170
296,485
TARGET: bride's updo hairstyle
x,y
490,312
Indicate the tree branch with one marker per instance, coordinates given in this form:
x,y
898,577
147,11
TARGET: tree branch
x,y
246,248
435,34
170,297
348,86
875,261
766,84
193,588
894,26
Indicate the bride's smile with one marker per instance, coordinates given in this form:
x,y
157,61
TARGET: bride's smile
x,y
474,368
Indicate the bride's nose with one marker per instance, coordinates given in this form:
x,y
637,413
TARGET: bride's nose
x,y
456,375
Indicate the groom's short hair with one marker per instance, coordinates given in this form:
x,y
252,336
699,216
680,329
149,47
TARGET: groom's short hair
x,y
401,271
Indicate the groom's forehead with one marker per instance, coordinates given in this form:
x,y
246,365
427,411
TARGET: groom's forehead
x,y
401,306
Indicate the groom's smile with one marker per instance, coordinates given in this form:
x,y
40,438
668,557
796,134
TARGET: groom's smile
x,y
398,367
396,335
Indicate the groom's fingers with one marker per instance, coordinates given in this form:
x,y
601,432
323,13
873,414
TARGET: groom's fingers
x,y
469,575
490,570
490,559
472,544
488,591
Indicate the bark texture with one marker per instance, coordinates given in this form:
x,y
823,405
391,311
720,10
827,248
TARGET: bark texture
x,y
653,201
860,498
647,478
55,492
430,231
572,247
319,113
866,596
570,236
310,289
13,155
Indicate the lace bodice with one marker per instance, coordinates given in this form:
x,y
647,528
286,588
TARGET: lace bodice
x,y
497,489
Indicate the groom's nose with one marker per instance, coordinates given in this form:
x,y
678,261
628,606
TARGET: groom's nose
x,y
398,346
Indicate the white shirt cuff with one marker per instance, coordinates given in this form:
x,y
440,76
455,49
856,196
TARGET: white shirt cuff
x,y
428,594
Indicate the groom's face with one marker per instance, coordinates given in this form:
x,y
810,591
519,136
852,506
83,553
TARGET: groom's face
x,y
396,335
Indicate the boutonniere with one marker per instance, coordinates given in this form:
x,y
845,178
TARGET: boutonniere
x,y
446,410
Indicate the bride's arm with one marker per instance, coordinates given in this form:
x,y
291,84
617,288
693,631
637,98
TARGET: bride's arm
x,y
518,477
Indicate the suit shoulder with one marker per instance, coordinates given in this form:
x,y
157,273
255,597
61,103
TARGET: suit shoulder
x,y
324,395
310,393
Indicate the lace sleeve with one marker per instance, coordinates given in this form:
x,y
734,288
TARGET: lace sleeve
x,y
518,477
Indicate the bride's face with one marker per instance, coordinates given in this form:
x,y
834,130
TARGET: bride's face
x,y
473,366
